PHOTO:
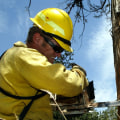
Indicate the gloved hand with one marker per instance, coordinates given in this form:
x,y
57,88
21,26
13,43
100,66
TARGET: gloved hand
x,y
75,66
82,73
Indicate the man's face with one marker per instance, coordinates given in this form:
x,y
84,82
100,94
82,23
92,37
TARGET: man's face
x,y
46,49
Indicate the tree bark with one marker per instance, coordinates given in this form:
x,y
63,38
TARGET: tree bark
x,y
115,16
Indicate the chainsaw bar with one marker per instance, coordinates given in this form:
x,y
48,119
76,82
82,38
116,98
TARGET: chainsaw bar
x,y
105,104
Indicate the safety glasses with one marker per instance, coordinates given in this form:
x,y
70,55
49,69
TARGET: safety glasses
x,y
56,48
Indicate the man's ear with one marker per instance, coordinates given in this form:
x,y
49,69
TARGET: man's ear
x,y
36,38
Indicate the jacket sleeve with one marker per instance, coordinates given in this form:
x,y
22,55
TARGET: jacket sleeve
x,y
41,74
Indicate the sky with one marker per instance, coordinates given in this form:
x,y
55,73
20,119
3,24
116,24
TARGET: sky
x,y
94,52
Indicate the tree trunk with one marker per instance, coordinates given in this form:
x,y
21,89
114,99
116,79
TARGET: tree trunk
x,y
115,15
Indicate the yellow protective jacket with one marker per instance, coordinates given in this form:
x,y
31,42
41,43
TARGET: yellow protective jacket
x,y
24,70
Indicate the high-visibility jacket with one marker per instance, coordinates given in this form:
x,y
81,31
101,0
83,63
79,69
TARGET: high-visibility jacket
x,y
23,70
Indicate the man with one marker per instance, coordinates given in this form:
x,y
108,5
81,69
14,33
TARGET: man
x,y
25,69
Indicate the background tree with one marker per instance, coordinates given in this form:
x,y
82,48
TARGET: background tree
x,y
109,114
66,59
115,16
86,8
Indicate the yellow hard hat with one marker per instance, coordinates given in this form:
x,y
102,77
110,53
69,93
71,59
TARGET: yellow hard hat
x,y
58,24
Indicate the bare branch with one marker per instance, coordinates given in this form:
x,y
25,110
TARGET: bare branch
x,y
28,7
83,12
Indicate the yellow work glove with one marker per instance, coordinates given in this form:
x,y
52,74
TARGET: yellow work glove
x,y
81,72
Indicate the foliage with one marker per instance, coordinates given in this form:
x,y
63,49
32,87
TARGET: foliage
x,y
57,116
66,59
108,114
